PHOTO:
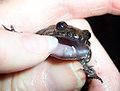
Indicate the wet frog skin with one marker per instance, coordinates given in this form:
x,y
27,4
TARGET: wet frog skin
x,y
77,41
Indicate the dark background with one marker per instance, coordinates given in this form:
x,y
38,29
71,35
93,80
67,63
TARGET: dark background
x,y
107,30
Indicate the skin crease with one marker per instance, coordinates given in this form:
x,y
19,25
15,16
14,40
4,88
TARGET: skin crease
x,y
16,12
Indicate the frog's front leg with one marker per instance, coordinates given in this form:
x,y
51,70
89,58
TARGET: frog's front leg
x,y
11,28
90,72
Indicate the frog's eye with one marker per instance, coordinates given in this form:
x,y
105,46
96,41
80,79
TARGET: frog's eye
x,y
61,25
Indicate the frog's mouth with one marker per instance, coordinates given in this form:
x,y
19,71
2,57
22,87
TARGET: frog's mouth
x,y
68,49
65,49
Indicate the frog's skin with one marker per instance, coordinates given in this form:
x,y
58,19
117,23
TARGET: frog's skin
x,y
78,42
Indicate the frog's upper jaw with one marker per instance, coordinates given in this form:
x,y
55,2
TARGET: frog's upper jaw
x,y
47,31
64,37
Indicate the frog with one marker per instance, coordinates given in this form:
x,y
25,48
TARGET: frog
x,y
77,42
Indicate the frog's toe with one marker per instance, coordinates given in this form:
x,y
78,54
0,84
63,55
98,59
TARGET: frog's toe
x,y
11,28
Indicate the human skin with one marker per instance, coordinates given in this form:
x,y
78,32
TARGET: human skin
x,y
36,73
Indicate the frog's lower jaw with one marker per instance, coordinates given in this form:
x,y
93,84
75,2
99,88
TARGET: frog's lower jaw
x,y
64,52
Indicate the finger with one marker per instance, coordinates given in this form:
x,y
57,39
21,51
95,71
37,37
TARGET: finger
x,y
47,76
43,14
87,8
19,51
101,62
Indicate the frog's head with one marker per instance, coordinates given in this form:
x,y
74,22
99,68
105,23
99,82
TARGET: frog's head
x,y
64,30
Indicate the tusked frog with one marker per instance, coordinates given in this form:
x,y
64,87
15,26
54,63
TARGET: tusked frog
x,y
77,45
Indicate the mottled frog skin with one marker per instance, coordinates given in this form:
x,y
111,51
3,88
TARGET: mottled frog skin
x,y
78,42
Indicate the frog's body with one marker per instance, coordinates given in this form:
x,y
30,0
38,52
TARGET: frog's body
x,y
78,42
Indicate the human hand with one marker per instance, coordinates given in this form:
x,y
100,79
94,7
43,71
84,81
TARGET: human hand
x,y
29,17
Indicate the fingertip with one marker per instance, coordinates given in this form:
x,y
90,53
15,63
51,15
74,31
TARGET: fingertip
x,y
20,51
39,44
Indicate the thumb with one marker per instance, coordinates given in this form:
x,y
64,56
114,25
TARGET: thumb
x,y
19,51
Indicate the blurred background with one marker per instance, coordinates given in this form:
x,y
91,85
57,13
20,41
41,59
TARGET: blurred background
x,y
107,30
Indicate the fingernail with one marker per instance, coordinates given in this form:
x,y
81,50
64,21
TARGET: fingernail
x,y
53,42
39,44
79,74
